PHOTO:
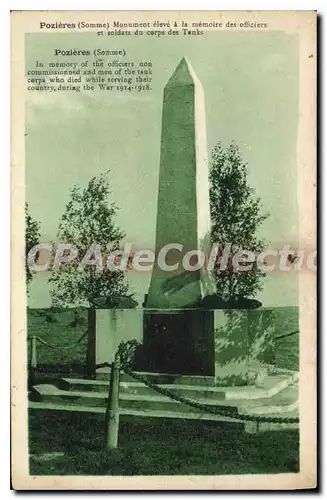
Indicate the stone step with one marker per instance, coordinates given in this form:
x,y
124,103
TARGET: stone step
x,y
52,394
269,386
249,427
287,400
254,427
268,426
139,388
284,401
168,378
42,405
159,378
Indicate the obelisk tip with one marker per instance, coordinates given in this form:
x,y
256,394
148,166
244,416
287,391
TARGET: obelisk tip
x,y
183,74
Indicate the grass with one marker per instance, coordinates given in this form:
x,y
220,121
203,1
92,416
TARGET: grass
x,y
72,443
287,353
287,348
58,328
156,447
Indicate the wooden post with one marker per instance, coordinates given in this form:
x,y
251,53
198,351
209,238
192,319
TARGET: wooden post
x,y
33,361
112,413
251,427
90,355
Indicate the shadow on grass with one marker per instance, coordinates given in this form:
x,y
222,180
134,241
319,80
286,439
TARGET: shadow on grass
x,y
73,444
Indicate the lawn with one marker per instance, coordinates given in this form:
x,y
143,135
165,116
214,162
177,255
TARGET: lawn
x,y
72,443
287,348
156,447
62,329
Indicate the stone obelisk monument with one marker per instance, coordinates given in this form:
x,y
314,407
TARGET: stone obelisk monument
x,y
183,212
180,336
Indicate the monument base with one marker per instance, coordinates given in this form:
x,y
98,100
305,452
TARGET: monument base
x,y
223,344
178,342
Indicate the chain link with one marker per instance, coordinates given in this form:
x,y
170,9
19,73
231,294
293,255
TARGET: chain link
x,y
60,348
287,335
125,354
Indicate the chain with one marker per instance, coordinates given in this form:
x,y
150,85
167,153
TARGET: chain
x,y
287,335
60,348
125,354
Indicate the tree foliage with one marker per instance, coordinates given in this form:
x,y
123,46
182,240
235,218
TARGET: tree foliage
x,y
32,238
89,219
236,215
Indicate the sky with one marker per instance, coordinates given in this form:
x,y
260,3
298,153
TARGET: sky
x,y
250,82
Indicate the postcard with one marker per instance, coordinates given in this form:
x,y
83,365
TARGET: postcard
x,y
163,250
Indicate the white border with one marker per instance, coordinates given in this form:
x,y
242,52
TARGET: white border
x,y
5,149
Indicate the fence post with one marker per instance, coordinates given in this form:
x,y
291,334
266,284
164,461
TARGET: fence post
x,y
33,361
251,427
112,412
90,354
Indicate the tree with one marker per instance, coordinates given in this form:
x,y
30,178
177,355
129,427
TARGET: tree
x,y
88,220
32,237
236,215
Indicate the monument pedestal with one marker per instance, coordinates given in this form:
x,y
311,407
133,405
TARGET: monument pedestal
x,y
178,341
107,328
223,344
227,345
